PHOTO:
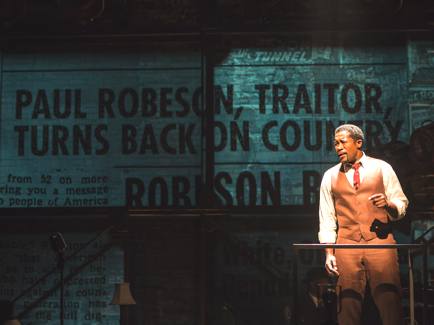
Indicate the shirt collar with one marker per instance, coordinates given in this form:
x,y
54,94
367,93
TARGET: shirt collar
x,y
347,166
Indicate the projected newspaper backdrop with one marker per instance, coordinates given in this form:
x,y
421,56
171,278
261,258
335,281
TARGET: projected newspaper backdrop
x,y
97,129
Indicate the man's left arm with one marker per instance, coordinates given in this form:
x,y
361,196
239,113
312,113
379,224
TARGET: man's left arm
x,y
394,199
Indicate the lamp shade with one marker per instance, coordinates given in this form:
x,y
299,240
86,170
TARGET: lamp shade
x,y
122,295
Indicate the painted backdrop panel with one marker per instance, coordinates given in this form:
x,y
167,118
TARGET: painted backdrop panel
x,y
73,126
114,128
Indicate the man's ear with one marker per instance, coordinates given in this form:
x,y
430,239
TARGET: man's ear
x,y
359,143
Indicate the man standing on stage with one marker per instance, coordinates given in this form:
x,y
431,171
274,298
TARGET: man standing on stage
x,y
358,197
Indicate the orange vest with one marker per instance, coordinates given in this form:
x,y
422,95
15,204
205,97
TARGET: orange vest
x,y
355,213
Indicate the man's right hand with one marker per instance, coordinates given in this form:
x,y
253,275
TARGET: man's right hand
x,y
330,265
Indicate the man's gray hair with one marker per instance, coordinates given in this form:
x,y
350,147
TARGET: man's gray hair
x,y
355,132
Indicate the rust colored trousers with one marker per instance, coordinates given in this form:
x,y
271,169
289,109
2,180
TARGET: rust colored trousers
x,y
377,267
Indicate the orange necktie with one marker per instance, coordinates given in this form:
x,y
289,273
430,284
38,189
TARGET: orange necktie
x,y
356,177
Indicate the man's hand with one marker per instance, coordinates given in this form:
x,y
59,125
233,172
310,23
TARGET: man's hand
x,y
380,201
330,265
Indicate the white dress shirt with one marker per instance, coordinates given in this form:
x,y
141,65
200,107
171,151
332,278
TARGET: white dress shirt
x,y
327,212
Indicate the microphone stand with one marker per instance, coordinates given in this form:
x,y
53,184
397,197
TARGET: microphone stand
x,y
51,271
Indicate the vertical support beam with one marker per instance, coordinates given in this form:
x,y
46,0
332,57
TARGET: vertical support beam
x,y
124,317
207,84
425,284
206,199
2,47
410,285
122,238
207,238
203,269
295,313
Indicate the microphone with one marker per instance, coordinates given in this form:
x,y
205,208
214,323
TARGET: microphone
x,y
381,229
58,243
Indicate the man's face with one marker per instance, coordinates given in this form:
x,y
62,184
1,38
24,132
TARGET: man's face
x,y
347,149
